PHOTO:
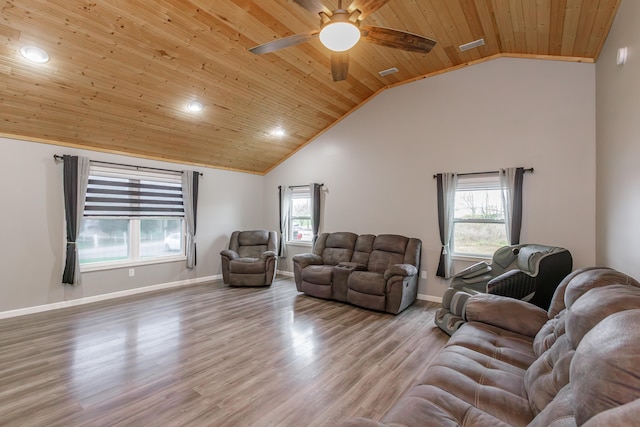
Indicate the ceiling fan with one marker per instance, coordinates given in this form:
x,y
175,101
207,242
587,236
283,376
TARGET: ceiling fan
x,y
340,30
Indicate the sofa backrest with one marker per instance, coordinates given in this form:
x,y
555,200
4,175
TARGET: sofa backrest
x,y
388,249
363,249
605,377
252,243
335,248
591,296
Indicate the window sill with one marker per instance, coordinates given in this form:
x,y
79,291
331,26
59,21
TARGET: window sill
x,y
129,263
471,258
296,243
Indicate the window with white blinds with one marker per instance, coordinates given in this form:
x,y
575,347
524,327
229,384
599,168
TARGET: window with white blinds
x,y
131,217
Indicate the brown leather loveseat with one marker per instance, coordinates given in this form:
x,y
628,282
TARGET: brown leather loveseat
x,y
514,364
374,272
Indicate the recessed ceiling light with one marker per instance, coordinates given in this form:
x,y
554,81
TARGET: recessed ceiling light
x,y
278,132
34,54
195,106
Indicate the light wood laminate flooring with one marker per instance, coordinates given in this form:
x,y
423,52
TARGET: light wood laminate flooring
x,y
210,355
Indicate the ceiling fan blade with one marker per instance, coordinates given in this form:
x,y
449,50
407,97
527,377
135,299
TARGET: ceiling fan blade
x,y
284,42
339,65
397,39
366,7
314,6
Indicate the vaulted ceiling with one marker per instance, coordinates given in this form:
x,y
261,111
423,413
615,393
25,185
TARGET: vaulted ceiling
x,y
121,72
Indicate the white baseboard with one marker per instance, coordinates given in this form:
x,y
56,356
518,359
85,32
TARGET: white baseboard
x,y
284,273
430,298
103,297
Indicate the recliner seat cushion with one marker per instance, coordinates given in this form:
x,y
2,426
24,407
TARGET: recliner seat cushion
x,y
318,274
247,266
367,282
251,251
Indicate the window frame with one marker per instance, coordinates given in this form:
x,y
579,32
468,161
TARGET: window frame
x,y
484,182
134,233
298,192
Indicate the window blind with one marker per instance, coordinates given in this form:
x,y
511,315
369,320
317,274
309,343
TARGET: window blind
x,y
478,182
116,192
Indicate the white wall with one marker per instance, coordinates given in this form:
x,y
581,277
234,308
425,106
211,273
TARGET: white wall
x,y
618,145
32,227
378,163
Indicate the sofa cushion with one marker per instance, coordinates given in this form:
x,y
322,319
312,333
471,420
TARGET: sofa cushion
x,y
338,247
318,274
251,251
549,334
391,243
379,261
558,413
363,248
367,282
247,266
595,305
253,238
426,402
548,374
505,346
605,372
597,278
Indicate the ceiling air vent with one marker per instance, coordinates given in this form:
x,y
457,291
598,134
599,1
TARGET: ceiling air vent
x,y
471,45
388,71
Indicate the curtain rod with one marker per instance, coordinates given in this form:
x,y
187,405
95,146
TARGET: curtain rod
x,y
299,186
58,158
483,173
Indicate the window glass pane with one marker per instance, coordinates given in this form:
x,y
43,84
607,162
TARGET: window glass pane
x,y
300,219
161,237
479,204
478,238
103,239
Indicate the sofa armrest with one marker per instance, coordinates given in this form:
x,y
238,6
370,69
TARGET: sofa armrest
x,y
354,266
228,253
506,313
404,270
304,260
267,254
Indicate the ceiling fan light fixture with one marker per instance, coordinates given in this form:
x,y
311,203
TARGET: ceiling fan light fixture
x,y
339,36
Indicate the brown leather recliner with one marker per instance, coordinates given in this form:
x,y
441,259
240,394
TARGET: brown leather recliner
x,y
515,364
250,259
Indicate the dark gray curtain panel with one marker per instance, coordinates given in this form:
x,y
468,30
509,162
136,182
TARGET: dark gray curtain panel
x,y
441,262
315,192
70,183
516,221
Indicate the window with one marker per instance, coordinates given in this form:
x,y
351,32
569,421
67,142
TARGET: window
x,y
479,219
300,223
131,217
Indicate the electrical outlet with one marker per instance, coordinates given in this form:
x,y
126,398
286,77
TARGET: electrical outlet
x,y
132,272
423,274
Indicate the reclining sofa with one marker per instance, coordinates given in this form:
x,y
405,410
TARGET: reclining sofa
x,y
374,272
515,364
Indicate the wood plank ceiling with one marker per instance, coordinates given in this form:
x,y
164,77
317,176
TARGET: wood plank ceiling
x,y
122,71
